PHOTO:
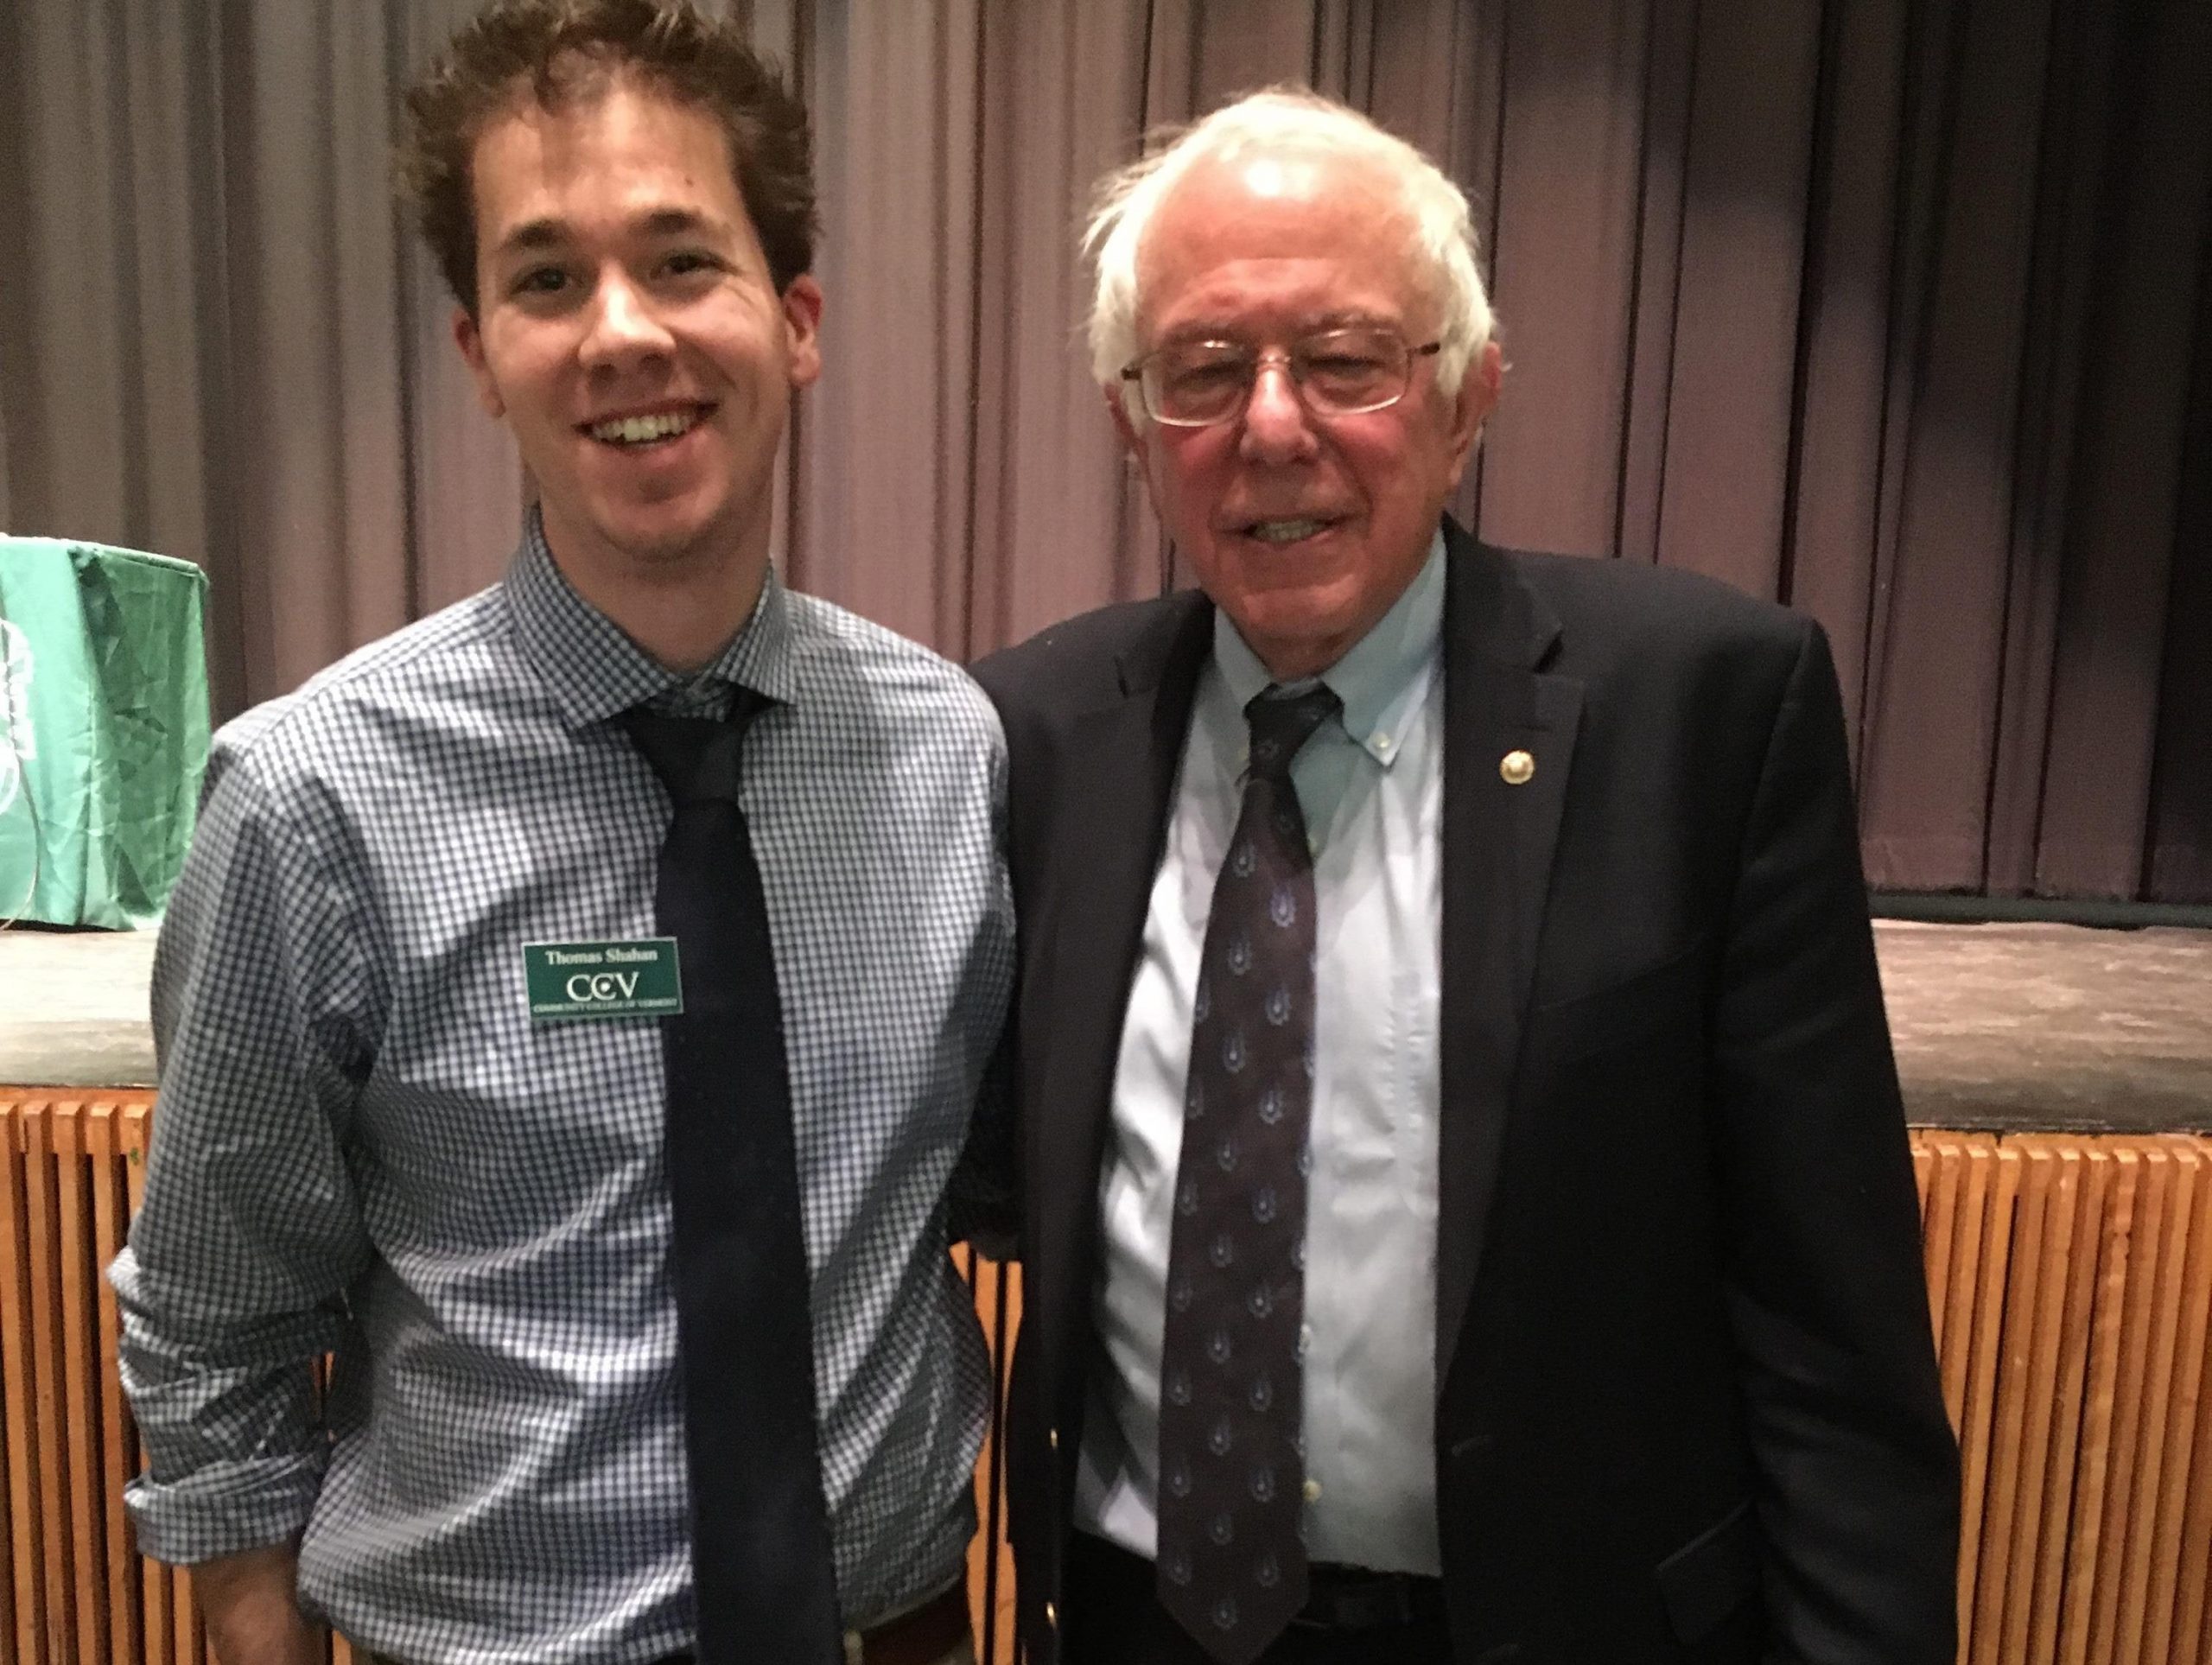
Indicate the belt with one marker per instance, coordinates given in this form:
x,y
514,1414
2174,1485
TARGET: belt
x,y
1355,1599
923,1635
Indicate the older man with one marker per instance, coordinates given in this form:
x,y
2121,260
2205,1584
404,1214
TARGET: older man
x,y
572,1007
1468,1211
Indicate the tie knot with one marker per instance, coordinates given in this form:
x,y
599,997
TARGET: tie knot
x,y
1282,723
697,759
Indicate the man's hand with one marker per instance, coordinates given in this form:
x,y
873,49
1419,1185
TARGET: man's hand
x,y
252,1613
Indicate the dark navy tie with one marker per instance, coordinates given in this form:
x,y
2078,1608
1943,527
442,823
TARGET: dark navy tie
x,y
764,1582
1232,1564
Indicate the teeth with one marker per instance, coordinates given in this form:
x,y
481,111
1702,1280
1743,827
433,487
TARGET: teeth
x,y
641,430
1285,531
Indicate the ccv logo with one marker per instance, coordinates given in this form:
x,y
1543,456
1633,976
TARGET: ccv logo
x,y
17,743
587,987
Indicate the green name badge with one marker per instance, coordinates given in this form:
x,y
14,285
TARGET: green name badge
x,y
573,982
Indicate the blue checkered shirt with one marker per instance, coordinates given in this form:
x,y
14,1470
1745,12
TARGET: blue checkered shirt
x,y
363,1145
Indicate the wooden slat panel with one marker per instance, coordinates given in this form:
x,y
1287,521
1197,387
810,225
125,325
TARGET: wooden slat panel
x,y
2070,1385
187,1640
2193,1605
2192,1624
2130,1388
1973,1160
1986,1284
2086,1543
80,1284
159,1586
2155,1296
133,1125
1954,1245
2069,1285
118,1440
49,1434
990,1558
2183,1450
1987,1513
19,1389
2013,1513
163,1587
1935,1229
8,1639
2094,1468
2163,1298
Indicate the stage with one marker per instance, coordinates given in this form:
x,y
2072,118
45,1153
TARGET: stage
x,y
2005,1027
2050,1027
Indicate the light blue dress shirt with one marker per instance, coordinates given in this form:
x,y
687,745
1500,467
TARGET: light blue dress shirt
x,y
1371,785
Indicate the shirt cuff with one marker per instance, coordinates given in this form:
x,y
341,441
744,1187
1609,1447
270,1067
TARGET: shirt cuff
x,y
223,1509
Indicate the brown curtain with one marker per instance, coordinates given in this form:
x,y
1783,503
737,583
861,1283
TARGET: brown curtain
x,y
216,343
1898,310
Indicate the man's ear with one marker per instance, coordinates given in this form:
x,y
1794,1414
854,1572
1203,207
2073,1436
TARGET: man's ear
x,y
469,338
1132,432
1479,388
801,306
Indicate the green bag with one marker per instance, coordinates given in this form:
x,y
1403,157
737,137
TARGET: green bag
x,y
103,729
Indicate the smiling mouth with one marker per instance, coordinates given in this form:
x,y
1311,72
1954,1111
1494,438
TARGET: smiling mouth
x,y
657,429
1288,530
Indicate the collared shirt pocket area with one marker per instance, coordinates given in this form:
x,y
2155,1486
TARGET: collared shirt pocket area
x,y
1706,1580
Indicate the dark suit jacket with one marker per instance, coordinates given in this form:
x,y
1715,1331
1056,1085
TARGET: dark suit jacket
x,y
1687,1403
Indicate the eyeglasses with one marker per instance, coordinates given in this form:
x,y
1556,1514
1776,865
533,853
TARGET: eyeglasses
x,y
1335,373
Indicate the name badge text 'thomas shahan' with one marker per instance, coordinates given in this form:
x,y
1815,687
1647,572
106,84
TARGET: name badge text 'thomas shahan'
x,y
573,982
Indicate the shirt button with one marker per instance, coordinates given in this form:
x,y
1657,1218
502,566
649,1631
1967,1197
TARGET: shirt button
x,y
1312,1491
1304,1339
1384,742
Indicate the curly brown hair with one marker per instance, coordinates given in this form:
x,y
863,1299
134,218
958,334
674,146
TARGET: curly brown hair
x,y
558,51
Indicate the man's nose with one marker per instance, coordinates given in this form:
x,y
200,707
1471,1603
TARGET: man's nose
x,y
1277,426
624,324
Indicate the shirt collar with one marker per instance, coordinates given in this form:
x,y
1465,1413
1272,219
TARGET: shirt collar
x,y
592,667
1382,677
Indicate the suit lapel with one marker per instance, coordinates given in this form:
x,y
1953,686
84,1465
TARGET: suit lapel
x,y
1499,838
1125,755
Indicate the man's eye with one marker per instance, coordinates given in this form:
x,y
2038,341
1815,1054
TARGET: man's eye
x,y
1203,375
1346,376
1342,364
541,280
686,262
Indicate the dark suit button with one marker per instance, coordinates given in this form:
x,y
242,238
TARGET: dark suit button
x,y
1499,1655
1473,1446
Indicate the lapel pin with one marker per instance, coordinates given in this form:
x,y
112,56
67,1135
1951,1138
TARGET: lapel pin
x,y
1516,768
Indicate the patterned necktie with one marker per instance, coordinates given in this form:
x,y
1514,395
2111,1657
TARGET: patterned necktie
x,y
1232,1565
764,1582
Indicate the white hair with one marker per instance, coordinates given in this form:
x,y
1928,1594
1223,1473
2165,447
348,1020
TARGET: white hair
x,y
1274,121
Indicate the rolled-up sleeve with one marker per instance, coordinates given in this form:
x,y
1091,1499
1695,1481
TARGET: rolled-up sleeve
x,y
234,1280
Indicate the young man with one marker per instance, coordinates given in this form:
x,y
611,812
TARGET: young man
x,y
1469,1217
573,1006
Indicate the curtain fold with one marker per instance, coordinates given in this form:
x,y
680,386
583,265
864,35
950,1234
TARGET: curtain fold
x,y
1061,522
1897,310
